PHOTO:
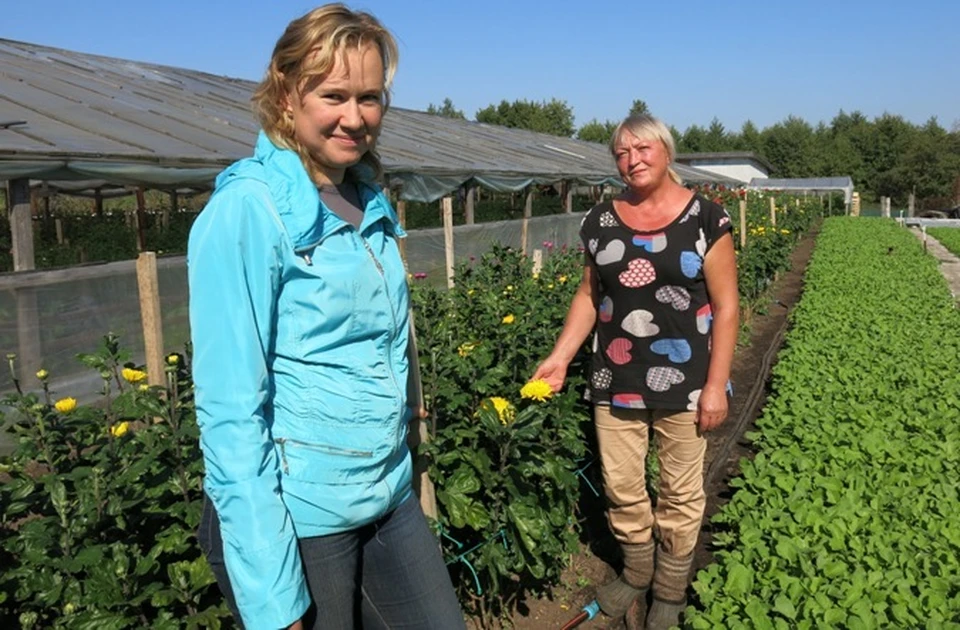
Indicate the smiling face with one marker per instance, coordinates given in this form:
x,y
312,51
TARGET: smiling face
x,y
643,163
337,117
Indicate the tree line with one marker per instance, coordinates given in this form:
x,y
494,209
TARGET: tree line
x,y
886,156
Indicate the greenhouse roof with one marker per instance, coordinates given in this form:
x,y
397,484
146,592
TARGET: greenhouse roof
x,y
811,185
72,116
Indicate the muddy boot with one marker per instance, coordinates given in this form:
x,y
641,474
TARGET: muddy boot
x,y
615,597
669,590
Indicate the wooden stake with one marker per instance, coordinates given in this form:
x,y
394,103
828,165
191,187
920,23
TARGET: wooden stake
x,y
447,204
773,212
21,224
743,224
568,200
419,432
150,317
141,221
58,224
537,261
471,201
525,224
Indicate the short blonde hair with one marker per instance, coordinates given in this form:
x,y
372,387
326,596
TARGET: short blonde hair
x,y
646,127
309,48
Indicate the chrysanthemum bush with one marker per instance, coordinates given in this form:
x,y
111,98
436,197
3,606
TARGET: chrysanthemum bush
x,y
504,452
99,504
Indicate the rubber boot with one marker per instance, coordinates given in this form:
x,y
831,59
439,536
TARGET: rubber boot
x,y
669,590
615,597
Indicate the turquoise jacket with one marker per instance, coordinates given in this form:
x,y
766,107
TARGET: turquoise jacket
x,y
299,324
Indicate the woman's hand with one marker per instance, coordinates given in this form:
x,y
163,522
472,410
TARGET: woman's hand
x,y
296,625
712,408
553,371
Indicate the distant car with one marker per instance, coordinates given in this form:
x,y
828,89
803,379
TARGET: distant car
x,y
950,213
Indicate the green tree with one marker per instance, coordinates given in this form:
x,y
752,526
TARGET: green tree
x,y
790,146
447,110
639,107
554,117
715,138
596,131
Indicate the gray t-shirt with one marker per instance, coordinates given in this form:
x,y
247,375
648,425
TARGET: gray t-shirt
x,y
344,200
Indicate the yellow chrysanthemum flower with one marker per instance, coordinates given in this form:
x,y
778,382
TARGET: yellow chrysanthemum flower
x,y
466,348
538,390
504,409
144,388
133,376
119,429
784,231
509,319
562,279
42,375
172,359
65,405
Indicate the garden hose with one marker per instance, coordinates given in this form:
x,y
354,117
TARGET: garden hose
x,y
589,611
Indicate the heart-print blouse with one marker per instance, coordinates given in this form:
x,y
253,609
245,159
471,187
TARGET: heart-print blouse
x,y
651,347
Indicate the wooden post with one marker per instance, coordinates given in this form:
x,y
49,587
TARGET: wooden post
x,y
525,225
537,261
150,317
912,203
830,204
447,204
568,200
471,200
402,216
21,224
418,432
58,224
855,204
743,223
773,212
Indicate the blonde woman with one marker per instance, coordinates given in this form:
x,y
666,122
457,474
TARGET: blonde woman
x,y
659,290
298,311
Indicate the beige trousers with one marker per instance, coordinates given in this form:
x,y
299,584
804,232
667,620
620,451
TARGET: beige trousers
x,y
623,438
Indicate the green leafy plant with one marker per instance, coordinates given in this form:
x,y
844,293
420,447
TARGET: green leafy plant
x,y
101,502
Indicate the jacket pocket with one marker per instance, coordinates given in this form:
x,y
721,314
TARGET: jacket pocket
x,y
327,464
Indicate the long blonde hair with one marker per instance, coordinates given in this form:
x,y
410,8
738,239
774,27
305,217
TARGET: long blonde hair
x,y
646,127
309,48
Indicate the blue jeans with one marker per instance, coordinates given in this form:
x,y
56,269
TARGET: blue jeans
x,y
385,575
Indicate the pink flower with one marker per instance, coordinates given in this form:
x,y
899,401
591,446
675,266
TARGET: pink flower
x,y
420,275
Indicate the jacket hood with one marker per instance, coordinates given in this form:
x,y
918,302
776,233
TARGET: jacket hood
x,y
306,219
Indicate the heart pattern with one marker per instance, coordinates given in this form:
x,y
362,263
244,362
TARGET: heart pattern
x,y
612,253
639,273
628,401
653,243
692,212
690,264
660,379
606,310
677,350
639,323
677,297
704,318
702,244
602,378
607,220
593,244
694,398
619,350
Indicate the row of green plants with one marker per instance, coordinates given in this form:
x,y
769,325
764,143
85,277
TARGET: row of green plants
x,y
948,237
99,502
845,517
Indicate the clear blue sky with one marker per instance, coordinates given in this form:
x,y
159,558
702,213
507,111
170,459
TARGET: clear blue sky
x,y
689,60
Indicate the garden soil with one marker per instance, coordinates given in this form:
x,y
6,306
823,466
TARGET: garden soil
x,y
598,561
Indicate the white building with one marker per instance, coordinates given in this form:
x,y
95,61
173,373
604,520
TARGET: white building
x,y
742,166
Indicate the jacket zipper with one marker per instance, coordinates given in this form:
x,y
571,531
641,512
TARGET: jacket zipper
x,y
393,316
315,447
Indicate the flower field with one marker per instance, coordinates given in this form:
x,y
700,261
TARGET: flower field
x,y
99,503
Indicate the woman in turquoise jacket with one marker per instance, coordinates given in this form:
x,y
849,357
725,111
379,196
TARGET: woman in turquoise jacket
x,y
299,319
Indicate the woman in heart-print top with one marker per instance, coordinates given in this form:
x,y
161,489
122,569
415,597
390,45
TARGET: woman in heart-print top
x,y
659,292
